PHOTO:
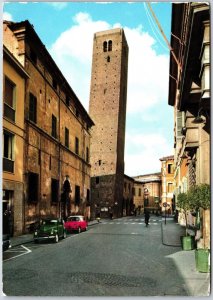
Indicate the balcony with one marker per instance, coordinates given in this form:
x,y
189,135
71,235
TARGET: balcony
x,y
192,137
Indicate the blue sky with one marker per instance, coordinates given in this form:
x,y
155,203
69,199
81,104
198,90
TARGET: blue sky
x,y
67,29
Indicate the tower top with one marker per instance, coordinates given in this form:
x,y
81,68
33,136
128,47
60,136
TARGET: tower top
x,y
110,31
105,33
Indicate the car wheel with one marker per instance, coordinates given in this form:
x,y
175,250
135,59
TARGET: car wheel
x,y
79,229
56,238
36,241
64,234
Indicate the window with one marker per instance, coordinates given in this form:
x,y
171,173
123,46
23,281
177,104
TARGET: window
x,y
77,195
170,187
39,156
33,108
105,46
139,192
50,163
54,190
180,123
54,126
76,145
9,99
170,169
110,46
133,191
97,180
32,187
8,152
108,58
87,154
66,137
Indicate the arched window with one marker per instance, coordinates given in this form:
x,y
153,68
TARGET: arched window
x,y
110,46
105,46
108,58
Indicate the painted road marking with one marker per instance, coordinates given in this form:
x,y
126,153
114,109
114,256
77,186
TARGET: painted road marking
x,y
23,253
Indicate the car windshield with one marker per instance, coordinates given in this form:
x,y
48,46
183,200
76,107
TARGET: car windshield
x,y
74,219
49,222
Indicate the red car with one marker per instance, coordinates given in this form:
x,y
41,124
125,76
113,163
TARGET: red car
x,y
76,223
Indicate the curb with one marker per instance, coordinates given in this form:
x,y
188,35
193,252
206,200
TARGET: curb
x,y
31,239
162,238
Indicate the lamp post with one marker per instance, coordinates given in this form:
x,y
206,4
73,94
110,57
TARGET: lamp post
x,y
165,205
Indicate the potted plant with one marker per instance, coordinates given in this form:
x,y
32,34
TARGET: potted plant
x,y
201,195
184,203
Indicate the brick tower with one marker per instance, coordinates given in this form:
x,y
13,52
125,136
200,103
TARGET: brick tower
x,y
108,93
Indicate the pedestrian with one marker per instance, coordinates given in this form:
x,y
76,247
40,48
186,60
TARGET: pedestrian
x,y
147,216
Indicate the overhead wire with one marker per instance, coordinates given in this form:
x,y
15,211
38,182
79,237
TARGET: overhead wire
x,y
152,22
165,38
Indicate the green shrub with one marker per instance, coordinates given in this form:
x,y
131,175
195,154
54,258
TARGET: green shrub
x,y
200,196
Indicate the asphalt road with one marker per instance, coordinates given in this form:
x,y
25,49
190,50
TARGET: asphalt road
x,y
118,257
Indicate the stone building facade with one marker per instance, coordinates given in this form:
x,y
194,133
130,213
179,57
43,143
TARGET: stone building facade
x,y
14,79
167,175
56,132
189,94
107,108
147,192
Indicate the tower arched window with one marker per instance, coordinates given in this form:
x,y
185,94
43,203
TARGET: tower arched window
x,y
110,45
105,46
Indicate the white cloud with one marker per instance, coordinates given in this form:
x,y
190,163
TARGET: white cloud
x,y
148,149
147,83
7,16
73,53
58,5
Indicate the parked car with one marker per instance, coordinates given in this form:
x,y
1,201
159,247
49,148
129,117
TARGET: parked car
x,y
6,242
76,223
50,229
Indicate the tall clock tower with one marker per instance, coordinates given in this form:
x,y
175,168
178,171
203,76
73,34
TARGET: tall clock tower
x,y
108,96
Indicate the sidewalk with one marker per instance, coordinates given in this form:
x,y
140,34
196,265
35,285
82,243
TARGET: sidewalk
x,y
196,283
26,238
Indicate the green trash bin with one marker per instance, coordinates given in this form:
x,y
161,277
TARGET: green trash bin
x,y
202,257
187,242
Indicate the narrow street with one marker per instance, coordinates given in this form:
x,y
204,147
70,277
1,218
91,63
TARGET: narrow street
x,y
119,257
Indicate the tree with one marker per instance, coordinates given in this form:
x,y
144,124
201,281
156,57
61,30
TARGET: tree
x,y
200,195
184,203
